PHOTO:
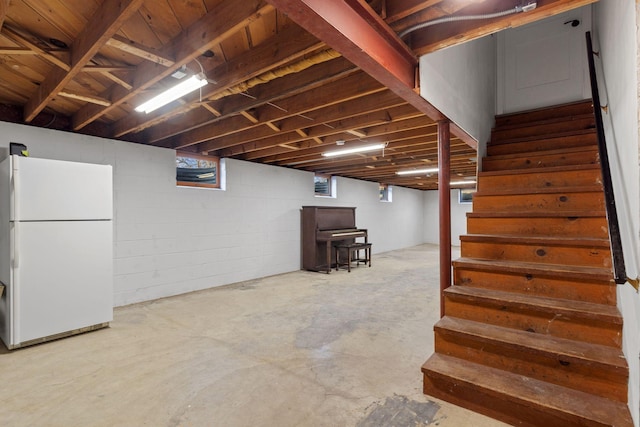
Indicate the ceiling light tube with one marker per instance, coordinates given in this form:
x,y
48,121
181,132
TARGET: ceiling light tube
x,y
462,182
417,171
173,93
360,149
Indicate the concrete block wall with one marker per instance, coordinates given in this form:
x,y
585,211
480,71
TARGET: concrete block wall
x,y
170,240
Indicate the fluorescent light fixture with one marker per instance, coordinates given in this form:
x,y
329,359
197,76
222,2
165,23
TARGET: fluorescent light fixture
x,y
417,171
173,93
360,149
463,182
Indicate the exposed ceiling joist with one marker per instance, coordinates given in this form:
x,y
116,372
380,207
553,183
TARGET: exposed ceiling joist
x,y
223,20
107,20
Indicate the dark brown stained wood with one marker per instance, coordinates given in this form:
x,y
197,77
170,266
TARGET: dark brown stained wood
x,y
588,252
551,126
535,180
108,19
516,399
534,298
541,159
584,138
587,284
575,320
540,114
568,225
572,364
559,200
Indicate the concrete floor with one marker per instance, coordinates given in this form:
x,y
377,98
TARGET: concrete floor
x,y
298,349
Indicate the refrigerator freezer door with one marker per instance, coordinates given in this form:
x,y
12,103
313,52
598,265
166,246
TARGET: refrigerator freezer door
x,y
63,277
55,190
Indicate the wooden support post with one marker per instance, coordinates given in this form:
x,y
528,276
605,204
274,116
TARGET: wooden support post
x,y
444,193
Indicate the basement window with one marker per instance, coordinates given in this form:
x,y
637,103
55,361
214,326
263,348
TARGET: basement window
x,y
195,170
385,192
324,185
465,195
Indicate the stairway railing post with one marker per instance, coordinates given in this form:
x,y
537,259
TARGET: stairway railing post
x,y
444,196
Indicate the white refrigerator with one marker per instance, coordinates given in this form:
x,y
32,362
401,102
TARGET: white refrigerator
x,y
56,249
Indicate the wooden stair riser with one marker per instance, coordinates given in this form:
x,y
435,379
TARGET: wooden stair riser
x,y
541,160
549,254
476,399
485,390
567,111
540,322
583,139
524,130
599,292
553,202
602,380
589,227
531,181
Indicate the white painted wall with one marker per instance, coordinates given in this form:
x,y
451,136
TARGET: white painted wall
x,y
543,63
460,81
615,32
432,216
171,240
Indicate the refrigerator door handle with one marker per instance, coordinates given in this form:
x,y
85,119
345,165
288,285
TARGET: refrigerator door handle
x,y
16,188
15,249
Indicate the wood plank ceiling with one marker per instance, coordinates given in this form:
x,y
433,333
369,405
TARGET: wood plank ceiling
x,y
276,95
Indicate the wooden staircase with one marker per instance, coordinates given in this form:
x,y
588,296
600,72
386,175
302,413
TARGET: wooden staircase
x,y
531,333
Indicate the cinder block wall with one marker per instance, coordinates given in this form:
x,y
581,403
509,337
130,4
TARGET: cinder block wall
x,y
170,240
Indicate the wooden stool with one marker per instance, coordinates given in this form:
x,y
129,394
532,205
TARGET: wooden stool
x,y
351,249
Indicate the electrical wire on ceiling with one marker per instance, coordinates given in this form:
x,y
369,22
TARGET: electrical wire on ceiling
x,y
517,9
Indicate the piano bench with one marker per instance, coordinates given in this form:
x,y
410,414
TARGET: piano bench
x,y
352,249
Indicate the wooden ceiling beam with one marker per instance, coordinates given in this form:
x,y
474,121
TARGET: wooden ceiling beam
x,y
398,9
450,34
269,146
101,27
350,109
289,45
359,34
140,51
222,21
351,87
16,37
260,95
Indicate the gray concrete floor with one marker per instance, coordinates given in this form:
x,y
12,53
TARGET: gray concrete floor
x,y
297,349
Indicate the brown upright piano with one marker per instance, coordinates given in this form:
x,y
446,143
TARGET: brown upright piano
x,y
321,227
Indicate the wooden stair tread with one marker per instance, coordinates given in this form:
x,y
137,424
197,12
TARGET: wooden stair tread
x,y
559,151
545,121
563,214
536,240
563,402
570,308
540,190
567,109
537,269
538,171
569,350
546,136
